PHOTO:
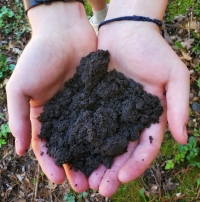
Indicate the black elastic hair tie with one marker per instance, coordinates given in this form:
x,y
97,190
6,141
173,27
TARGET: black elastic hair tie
x,y
133,18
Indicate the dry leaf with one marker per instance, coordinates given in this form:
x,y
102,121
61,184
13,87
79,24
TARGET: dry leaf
x,y
193,25
51,185
5,82
17,51
186,56
196,60
167,37
19,177
198,194
171,185
187,43
9,46
179,17
21,193
155,189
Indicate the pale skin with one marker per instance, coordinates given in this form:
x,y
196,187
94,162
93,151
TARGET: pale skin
x,y
97,5
137,50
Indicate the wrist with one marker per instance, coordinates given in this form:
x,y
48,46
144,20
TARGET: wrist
x,y
57,17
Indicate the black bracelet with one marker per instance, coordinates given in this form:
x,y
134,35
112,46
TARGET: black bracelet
x,y
28,4
133,18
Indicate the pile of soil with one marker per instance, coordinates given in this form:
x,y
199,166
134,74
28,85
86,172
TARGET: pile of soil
x,y
93,118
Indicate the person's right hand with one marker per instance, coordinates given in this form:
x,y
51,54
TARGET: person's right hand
x,y
61,36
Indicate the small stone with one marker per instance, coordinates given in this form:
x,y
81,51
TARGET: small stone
x,y
191,95
191,71
194,120
197,115
92,195
173,37
196,99
180,31
5,82
190,124
196,106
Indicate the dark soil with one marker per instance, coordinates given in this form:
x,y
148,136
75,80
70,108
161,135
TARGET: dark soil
x,y
95,116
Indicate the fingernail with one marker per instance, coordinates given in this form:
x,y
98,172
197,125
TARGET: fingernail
x,y
184,130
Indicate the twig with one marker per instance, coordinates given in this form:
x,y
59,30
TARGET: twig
x,y
188,30
37,181
51,199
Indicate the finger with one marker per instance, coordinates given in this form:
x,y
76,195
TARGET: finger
x,y
55,173
178,104
95,178
110,182
145,152
19,117
77,179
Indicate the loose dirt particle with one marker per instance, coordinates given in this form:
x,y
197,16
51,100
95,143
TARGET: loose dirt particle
x,y
41,153
151,139
93,118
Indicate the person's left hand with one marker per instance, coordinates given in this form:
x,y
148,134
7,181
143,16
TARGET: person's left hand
x,y
138,50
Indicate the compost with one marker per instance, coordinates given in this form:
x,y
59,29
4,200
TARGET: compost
x,y
93,118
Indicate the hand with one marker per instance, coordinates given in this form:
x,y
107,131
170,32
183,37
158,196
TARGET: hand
x,y
61,36
138,50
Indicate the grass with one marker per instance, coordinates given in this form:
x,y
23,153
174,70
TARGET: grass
x,y
13,21
88,9
5,69
178,7
129,192
4,131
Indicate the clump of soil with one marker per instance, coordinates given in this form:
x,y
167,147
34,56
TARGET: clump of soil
x,y
93,118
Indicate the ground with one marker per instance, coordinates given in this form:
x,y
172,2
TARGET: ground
x,y
174,175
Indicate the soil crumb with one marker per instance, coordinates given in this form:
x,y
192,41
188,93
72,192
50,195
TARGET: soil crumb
x,y
150,139
93,118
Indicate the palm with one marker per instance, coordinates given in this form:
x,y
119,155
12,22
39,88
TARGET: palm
x,y
46,63
144,56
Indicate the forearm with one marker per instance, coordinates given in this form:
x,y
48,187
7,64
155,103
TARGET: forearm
x,y
147,8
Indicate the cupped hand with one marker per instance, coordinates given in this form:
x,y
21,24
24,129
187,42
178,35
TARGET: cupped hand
x,y
138,50
61,36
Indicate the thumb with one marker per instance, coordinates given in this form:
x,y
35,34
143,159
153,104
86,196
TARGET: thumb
x,y
19,117
177,97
